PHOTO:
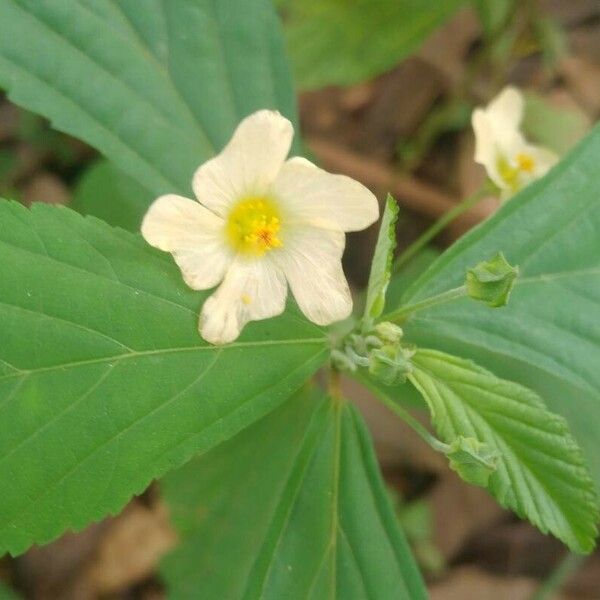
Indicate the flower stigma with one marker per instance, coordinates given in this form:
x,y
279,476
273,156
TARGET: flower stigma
x,y
253,226
525,162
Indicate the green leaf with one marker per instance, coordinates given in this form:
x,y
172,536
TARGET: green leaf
x,y
540,471
494,15
105,382
381,266
408,274
157,86
558,129
548,337
342,43
109,194
293,507
492,281
7,594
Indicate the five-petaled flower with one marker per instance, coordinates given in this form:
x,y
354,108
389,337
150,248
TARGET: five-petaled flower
x,y
510,161
261,222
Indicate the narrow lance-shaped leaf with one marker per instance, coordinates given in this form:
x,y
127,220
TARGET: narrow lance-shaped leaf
x,y
381,266
293,508
540,472
105,383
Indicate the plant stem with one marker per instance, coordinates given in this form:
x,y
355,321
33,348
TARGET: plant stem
x,y
334,384
399,315
439,225
561,574
401,412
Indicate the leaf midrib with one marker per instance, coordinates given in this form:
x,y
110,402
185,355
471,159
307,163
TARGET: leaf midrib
x,y
163,351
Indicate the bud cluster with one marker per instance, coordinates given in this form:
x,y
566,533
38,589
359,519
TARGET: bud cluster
x,y
380,351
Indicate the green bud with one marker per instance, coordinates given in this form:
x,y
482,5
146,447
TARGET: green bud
x,y
389,332
492,281
473,460
390,364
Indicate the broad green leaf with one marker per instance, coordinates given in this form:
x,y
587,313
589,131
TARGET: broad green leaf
x,y
109,194
548,337
381,266
156,85
293,507
105,382
342,43
540,472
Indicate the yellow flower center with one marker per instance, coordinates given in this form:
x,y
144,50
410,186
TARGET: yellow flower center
x,y
525,162
253,225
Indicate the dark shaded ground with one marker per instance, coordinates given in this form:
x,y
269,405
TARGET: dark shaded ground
x,y
407,132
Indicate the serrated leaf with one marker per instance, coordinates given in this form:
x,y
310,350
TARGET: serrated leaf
x,y
105,382
156,85
315,520
109,194
343,43
548,337
381,265
540,471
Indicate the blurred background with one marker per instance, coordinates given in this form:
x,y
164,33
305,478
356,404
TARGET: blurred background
x,y
393,113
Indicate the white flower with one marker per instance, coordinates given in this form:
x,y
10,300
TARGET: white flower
x,y
262,222
510,161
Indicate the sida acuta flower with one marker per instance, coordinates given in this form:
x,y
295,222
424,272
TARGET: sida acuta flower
x,y
510,160
262,222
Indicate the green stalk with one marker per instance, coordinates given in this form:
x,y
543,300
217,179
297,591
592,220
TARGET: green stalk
x,y
401,412
400,315
439,225
561,574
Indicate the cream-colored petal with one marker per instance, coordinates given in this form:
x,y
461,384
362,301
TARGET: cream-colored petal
x,y
313,196
486,151
248,164
311,260
497,132
506,109
544,159
193,235
493,148
251,290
